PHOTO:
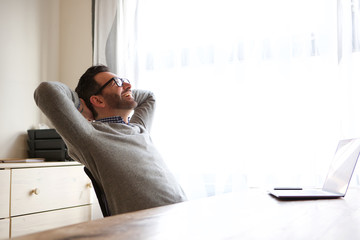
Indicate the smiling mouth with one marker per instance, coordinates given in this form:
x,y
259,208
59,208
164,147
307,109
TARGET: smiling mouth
x,y
128,94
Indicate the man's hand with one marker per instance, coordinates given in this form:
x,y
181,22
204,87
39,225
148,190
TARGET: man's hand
x,y
85,111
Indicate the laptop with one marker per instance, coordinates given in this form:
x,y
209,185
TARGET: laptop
x,y
338,177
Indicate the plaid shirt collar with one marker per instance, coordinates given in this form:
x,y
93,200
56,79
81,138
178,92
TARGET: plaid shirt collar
x,y
113,119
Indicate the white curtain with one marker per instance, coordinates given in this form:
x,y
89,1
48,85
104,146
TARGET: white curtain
x,y
250,93
115,35
104,19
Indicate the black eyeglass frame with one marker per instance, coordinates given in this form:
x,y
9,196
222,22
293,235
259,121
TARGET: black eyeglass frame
x,y
118,81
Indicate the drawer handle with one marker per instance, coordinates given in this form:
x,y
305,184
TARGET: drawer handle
x,y
89,185
36,191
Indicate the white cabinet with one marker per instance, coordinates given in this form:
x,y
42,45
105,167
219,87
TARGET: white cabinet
x,y
4,193
4,228
46,220
43,189
40,196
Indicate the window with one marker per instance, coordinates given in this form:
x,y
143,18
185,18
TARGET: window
x,y
250,93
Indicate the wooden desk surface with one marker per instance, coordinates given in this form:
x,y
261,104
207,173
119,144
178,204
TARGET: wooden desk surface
x,y
249,215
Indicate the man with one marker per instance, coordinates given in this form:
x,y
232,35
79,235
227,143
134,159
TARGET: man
x,y
100,134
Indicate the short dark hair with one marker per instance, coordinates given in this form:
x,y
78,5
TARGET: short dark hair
x,y
87,85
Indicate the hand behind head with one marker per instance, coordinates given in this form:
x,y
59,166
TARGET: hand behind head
x,y
85,111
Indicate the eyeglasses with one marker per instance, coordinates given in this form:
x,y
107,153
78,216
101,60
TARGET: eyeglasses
x,y
119,82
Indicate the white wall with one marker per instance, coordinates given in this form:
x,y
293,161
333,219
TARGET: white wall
x,y
75,40
38,42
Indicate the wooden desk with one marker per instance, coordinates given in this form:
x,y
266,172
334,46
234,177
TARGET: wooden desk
x,y
250,215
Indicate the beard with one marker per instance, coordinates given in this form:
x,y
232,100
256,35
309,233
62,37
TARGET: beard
x,y
115,101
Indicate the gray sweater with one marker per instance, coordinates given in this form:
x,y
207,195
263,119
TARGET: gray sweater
x,y
122,158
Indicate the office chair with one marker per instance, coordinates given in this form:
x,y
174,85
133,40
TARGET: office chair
x,y
99,194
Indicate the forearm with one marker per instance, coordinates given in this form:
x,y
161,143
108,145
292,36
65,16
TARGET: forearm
x,y
144,112
59,104
48,94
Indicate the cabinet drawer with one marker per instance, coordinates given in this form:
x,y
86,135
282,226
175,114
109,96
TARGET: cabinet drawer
x,y
4,193
4,228
47,220
42,189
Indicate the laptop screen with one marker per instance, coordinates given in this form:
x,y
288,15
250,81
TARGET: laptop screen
x,y
343,165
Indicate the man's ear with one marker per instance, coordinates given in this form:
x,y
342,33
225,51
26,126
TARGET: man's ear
x,y
97,101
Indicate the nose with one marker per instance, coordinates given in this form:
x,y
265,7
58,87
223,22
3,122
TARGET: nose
x,y
126,85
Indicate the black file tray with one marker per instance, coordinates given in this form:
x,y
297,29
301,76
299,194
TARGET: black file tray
x,y
36,134
49,155
44,144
